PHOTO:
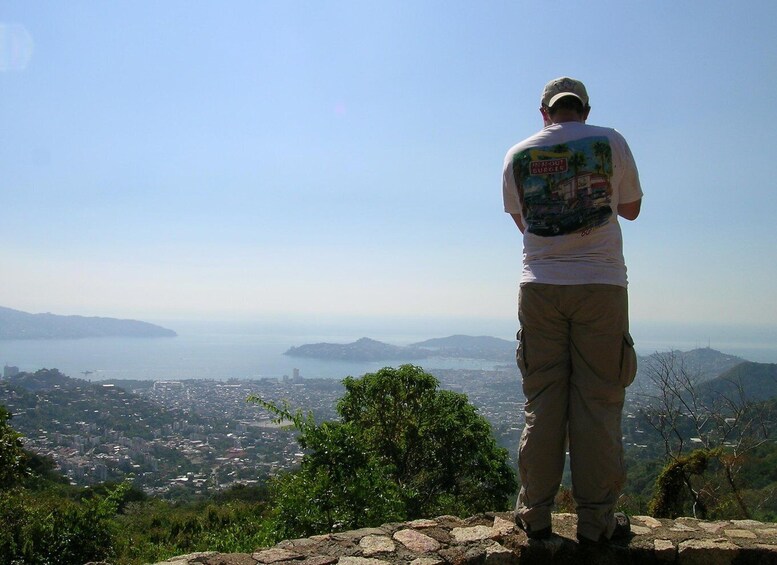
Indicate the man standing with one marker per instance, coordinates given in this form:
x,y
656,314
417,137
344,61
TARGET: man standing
x,y
565,187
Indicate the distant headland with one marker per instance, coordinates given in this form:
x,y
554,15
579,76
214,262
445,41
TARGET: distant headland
x,y
366,349
15,324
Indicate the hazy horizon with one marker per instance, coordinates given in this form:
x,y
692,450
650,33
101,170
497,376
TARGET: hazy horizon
x,y
406,329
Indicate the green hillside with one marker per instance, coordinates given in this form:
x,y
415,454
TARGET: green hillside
x,y
756,381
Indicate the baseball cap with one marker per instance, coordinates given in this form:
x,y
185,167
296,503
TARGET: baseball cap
x,y
564,86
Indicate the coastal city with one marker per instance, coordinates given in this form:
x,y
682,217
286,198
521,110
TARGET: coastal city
x,y
173,438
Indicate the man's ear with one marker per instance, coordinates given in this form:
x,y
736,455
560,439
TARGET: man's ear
x,y
545,116
585,112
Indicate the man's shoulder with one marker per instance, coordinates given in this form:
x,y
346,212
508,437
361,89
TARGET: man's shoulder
x,y
534,140
564,133
603,130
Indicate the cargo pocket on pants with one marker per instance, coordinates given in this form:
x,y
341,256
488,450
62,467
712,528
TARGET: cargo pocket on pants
x,y
520,353
628,361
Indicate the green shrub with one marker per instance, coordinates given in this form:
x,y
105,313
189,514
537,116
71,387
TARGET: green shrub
x,y
403,449
45,528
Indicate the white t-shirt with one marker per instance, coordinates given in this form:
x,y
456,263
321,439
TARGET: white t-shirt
x,y
566,182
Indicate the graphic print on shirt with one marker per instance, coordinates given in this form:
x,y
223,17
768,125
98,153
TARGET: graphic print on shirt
x,y
565,188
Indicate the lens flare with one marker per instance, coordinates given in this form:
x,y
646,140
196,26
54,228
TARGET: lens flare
x,y
16,47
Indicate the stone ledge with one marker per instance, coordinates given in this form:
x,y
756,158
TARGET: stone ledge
x,y
493,539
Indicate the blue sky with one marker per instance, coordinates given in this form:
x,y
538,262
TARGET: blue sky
x,y
240,160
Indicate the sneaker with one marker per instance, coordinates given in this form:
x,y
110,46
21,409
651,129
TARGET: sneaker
x,y
622,526
622,531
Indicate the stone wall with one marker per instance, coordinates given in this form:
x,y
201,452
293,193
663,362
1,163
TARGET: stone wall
x,y
493,539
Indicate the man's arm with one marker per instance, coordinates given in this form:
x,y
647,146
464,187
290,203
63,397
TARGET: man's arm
x,y
518,222
630,210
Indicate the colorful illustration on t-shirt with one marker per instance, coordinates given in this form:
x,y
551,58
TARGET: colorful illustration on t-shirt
x,y
565,188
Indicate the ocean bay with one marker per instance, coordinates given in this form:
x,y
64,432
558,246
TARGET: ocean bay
x,y
196,355
251,351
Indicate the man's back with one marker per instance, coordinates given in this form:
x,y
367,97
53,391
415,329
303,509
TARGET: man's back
x,y
566,183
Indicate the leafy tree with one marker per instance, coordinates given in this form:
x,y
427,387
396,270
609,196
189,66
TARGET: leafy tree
x,y
402,450
12,455
438,449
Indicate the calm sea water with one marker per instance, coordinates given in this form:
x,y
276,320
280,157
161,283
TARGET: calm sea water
x,y
247,351
213,351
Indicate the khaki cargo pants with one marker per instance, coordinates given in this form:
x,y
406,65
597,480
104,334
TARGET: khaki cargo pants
x,y
576,358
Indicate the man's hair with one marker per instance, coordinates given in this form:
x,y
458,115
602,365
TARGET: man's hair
x,y
567,103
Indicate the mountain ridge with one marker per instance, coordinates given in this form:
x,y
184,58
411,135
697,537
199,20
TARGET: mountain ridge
x,y
367,349
754,382
16,324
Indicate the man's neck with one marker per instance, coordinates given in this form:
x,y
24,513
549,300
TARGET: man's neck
x,y
560,118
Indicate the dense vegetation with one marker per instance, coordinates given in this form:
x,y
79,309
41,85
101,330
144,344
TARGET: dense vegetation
x,y
67,525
